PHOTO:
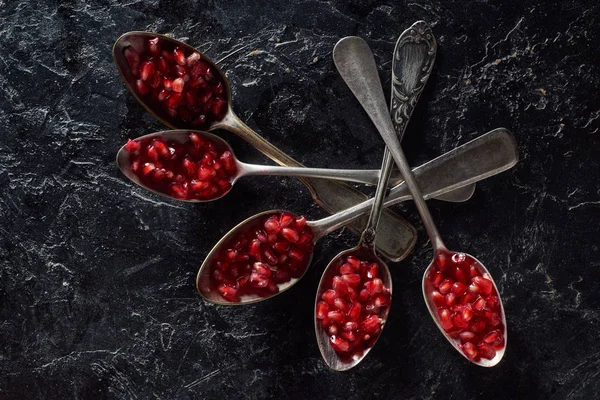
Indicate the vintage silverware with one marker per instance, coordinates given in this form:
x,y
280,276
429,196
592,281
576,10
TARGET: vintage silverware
x,y
354,60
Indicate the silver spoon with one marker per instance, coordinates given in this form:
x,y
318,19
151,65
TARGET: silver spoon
x,y
242,169
355,63
415,50
485,156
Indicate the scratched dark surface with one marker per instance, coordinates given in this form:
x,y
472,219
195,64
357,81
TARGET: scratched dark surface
x,y
97,296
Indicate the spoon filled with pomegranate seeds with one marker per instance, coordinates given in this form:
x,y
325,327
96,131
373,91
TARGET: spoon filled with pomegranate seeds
x,y
269,252
459,291
198,166
354,295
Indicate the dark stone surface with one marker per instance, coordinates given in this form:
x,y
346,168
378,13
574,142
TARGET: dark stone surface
x,y
97,296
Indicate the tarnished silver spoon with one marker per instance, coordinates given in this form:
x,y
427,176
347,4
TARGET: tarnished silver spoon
x,y
465,325
181,136
485,156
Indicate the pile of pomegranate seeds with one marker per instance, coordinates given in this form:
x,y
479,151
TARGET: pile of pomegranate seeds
x,y
351,310
197,169
467,304
177,84
272,251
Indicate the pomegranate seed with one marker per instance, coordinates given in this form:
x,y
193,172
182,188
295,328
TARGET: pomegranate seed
x,y
142,87
286,219
290,234
336,316
445,319
340,304
375,286
493,302
473,272
486,351
484,285
371,324
494,337
364,295
459,288
450,299
329,296
445,286
179,56
436,278
179,191
154,46
459,258
354,312
479,304
460,275
339,344
296,254
352,279
346,269
132,146
227,290
373,271
281,246
466,336
470,350
133,59
147,70
467,314
438,299
272,225
178,85
192,59
300,222
206,173
168,84
441,259
477,326
333,329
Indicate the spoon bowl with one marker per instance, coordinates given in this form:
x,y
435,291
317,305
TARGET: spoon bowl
x,y
205,281
332,358
453,334
138,40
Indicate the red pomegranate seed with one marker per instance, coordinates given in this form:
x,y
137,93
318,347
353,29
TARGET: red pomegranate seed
x,y
445,286
459,288
494,337
477,326
329,296
339,344
470,350
168,84
142,87
479,304
206,173
290,234
179,56
192,59
441,260
296,254
178,85
466,336
352,279
373,271
337,316
371,324
133,59
147,70
154,46
484,285
486,351
340,304
199,186
450,299
346,269
272,225
132,146
354,313
438,299
445,318
375,286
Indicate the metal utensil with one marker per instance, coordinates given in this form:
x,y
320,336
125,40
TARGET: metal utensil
x,y
485,156
182,136
354,60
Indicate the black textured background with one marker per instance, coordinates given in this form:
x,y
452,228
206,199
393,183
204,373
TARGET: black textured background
x,y
97,296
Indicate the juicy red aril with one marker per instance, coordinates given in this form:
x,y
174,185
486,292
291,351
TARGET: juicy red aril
x,y
170,69
259,261
172,168
467,303
356,302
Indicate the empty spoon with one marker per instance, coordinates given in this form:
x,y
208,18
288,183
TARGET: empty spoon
x,y
472,319
198,166
225,275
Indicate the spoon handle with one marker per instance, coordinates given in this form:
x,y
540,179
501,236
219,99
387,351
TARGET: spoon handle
x,y
368,176
485,156
354,60
408,79
397,236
